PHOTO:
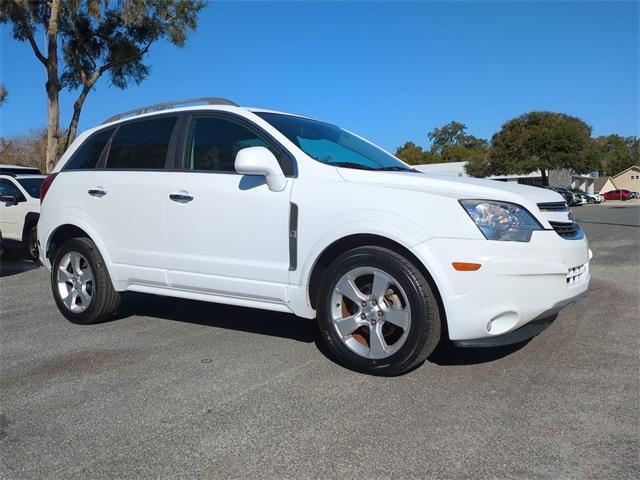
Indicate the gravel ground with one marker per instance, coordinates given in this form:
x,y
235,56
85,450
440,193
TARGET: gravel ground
x,y
182,389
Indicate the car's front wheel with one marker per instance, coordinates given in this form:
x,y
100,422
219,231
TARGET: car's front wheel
x,y
81,284
377,313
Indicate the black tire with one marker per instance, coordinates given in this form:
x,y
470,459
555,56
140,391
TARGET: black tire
x,y
425,328
105,299
30,242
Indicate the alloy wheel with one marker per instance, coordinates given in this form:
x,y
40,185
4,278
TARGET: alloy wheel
x,y
370,312
75,282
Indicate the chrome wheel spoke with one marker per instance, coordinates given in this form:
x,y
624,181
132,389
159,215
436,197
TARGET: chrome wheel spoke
x,y
75,262
377,344
349,289
64,275
85,298
399,318
70,299
380,284
346,326
86,276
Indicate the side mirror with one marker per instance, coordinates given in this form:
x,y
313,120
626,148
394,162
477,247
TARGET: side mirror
x,y
9,199
260,161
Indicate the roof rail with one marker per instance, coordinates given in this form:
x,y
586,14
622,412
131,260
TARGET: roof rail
x,y
167,105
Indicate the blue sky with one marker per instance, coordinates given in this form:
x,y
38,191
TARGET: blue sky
x,y
390,71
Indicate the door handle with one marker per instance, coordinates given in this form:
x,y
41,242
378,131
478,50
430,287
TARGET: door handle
x,y
97,192
181,197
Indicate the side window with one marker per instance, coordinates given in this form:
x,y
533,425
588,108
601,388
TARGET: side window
x,y
212,144
8,188
141,144
88,154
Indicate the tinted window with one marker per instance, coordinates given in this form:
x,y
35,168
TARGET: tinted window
x,y
8,188
332,145
31,185
89,152
142,144
212,144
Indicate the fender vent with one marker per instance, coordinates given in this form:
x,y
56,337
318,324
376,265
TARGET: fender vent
x,y
569,230
553,207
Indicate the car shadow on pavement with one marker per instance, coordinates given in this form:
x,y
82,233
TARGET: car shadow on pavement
x,y
13,264
447,354
261,322
277,324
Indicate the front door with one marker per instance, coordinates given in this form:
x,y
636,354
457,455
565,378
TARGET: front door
x,y
228,233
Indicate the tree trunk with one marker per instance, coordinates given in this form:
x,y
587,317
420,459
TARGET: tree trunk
x,y
53,88
545,177
77,108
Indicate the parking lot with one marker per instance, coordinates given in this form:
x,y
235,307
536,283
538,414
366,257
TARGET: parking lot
x,y
177,388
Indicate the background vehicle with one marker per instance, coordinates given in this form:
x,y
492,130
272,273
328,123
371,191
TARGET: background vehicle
x,y
617,195
20,209
593,197
282,212
568,195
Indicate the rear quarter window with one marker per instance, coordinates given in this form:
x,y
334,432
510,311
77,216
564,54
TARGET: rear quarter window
x,y
88,154
141,144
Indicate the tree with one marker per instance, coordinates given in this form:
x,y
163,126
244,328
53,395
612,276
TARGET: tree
x,y
3,94
478,167
452,143
29,150
616,153
86,39
542,141
414,154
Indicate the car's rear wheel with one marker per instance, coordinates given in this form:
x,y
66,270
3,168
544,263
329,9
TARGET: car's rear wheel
x,y
81,284
377,313
31,243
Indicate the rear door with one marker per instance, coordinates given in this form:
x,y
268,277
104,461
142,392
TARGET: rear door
x,y
228,233
126,198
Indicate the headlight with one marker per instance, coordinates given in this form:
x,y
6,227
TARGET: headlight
x,y
501,220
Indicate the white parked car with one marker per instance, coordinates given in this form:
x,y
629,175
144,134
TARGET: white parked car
x,y
20,207
281,212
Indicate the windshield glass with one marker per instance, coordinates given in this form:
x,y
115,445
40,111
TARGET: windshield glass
x,y
332,145
31,185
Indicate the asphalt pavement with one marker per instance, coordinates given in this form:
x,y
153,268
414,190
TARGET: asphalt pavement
x,y
184,389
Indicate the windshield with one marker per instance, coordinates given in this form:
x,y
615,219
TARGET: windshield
x,y
332,145
31,185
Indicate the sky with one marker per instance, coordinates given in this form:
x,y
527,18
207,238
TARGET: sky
x,y
391,71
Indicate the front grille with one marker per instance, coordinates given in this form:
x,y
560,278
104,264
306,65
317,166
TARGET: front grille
x,y
553,207
577,275
566,229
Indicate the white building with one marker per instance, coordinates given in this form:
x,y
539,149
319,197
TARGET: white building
x,y
557,178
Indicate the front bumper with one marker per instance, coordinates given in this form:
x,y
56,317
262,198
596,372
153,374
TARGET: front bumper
x,y
518,283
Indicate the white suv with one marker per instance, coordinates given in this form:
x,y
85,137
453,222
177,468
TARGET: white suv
x,y
281,212
20,207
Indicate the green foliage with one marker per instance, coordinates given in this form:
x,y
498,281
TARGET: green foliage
x,y
98,36
414,154
616,153
478,167
450,143
542,141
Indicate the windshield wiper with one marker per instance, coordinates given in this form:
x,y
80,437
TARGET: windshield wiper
x,y
397,169
351,165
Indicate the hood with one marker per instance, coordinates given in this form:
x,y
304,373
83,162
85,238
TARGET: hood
x,y
456,187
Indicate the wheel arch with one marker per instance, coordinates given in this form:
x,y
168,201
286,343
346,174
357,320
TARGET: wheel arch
x,y
30,220
73,229
349,242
